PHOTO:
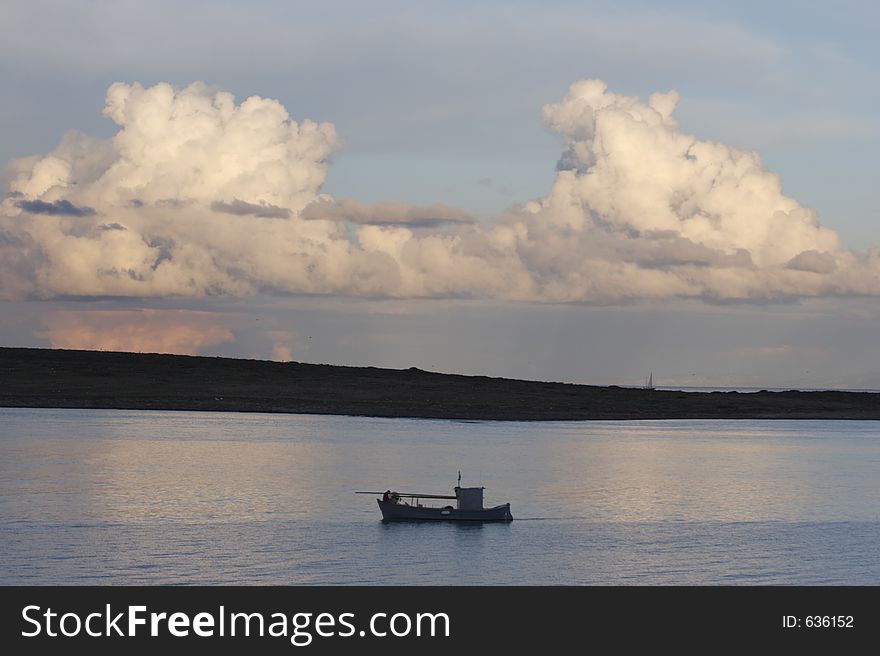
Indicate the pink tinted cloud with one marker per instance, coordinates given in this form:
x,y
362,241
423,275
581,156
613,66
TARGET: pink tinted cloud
x,y
182,332
285,343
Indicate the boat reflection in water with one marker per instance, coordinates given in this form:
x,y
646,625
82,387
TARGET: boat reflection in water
x,y
408,506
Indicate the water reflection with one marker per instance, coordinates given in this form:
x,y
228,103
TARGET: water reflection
x,y
139,497
717,470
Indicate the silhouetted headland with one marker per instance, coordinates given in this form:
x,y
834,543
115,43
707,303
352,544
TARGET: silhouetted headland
x,y
47,378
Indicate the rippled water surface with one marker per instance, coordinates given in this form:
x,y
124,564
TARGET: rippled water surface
x,y
104,496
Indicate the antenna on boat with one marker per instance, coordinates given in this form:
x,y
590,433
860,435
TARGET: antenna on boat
x,y
459,478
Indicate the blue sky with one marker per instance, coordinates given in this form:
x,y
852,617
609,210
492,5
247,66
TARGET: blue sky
x,y
442,103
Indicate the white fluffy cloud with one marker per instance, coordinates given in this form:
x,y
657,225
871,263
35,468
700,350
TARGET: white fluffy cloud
x,y
631,168
197,195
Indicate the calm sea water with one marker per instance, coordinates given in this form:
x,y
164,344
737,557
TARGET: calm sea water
x,y
114,497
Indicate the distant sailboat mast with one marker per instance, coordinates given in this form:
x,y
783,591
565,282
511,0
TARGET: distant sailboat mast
x,y
649,382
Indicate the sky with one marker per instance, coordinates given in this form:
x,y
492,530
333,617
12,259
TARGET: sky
x,y
585,191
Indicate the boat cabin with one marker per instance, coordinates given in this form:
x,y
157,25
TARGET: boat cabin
x,y
469,498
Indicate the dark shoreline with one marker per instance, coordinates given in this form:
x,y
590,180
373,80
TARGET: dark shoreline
x,y
47,378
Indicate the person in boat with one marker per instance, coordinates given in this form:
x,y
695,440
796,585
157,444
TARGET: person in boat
x,y
386,497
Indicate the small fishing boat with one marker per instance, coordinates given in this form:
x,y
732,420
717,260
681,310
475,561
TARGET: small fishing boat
x,y
402,506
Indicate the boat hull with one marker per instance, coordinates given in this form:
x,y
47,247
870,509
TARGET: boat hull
x,y
396,512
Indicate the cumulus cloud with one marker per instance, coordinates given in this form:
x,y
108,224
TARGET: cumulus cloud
x,y
385,213
20,257
197,195
629,167
138,331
